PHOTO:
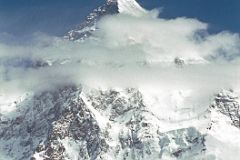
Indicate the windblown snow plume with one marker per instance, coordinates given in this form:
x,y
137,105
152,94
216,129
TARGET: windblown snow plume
x,y
172,69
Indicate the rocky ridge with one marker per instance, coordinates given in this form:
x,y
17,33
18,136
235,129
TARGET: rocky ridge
x,y
96,125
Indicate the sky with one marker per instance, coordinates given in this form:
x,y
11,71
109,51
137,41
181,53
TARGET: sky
x,y
220,14
56,17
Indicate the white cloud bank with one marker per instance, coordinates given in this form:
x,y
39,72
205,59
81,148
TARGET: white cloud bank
x,y
128,51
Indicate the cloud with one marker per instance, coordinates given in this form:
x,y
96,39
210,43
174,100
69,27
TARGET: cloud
x,y
127,51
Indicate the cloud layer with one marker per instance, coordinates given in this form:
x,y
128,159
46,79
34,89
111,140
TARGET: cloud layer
x,y
127,51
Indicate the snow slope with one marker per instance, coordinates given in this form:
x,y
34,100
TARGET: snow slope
x,y
130,7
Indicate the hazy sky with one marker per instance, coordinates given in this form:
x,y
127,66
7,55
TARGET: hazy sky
x,y
56,17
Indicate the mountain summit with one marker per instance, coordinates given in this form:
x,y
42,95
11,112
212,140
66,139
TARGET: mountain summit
x,y
130,7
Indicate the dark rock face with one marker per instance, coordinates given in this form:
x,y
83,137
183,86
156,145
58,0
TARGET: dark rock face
x,y
33,121
114,104
179,62
227,103
77,123
86,28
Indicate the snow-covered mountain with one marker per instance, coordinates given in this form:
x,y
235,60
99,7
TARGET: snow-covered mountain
x,y
111,7
80,122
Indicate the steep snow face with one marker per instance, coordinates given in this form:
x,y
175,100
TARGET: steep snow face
x,y
7,103
130,7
